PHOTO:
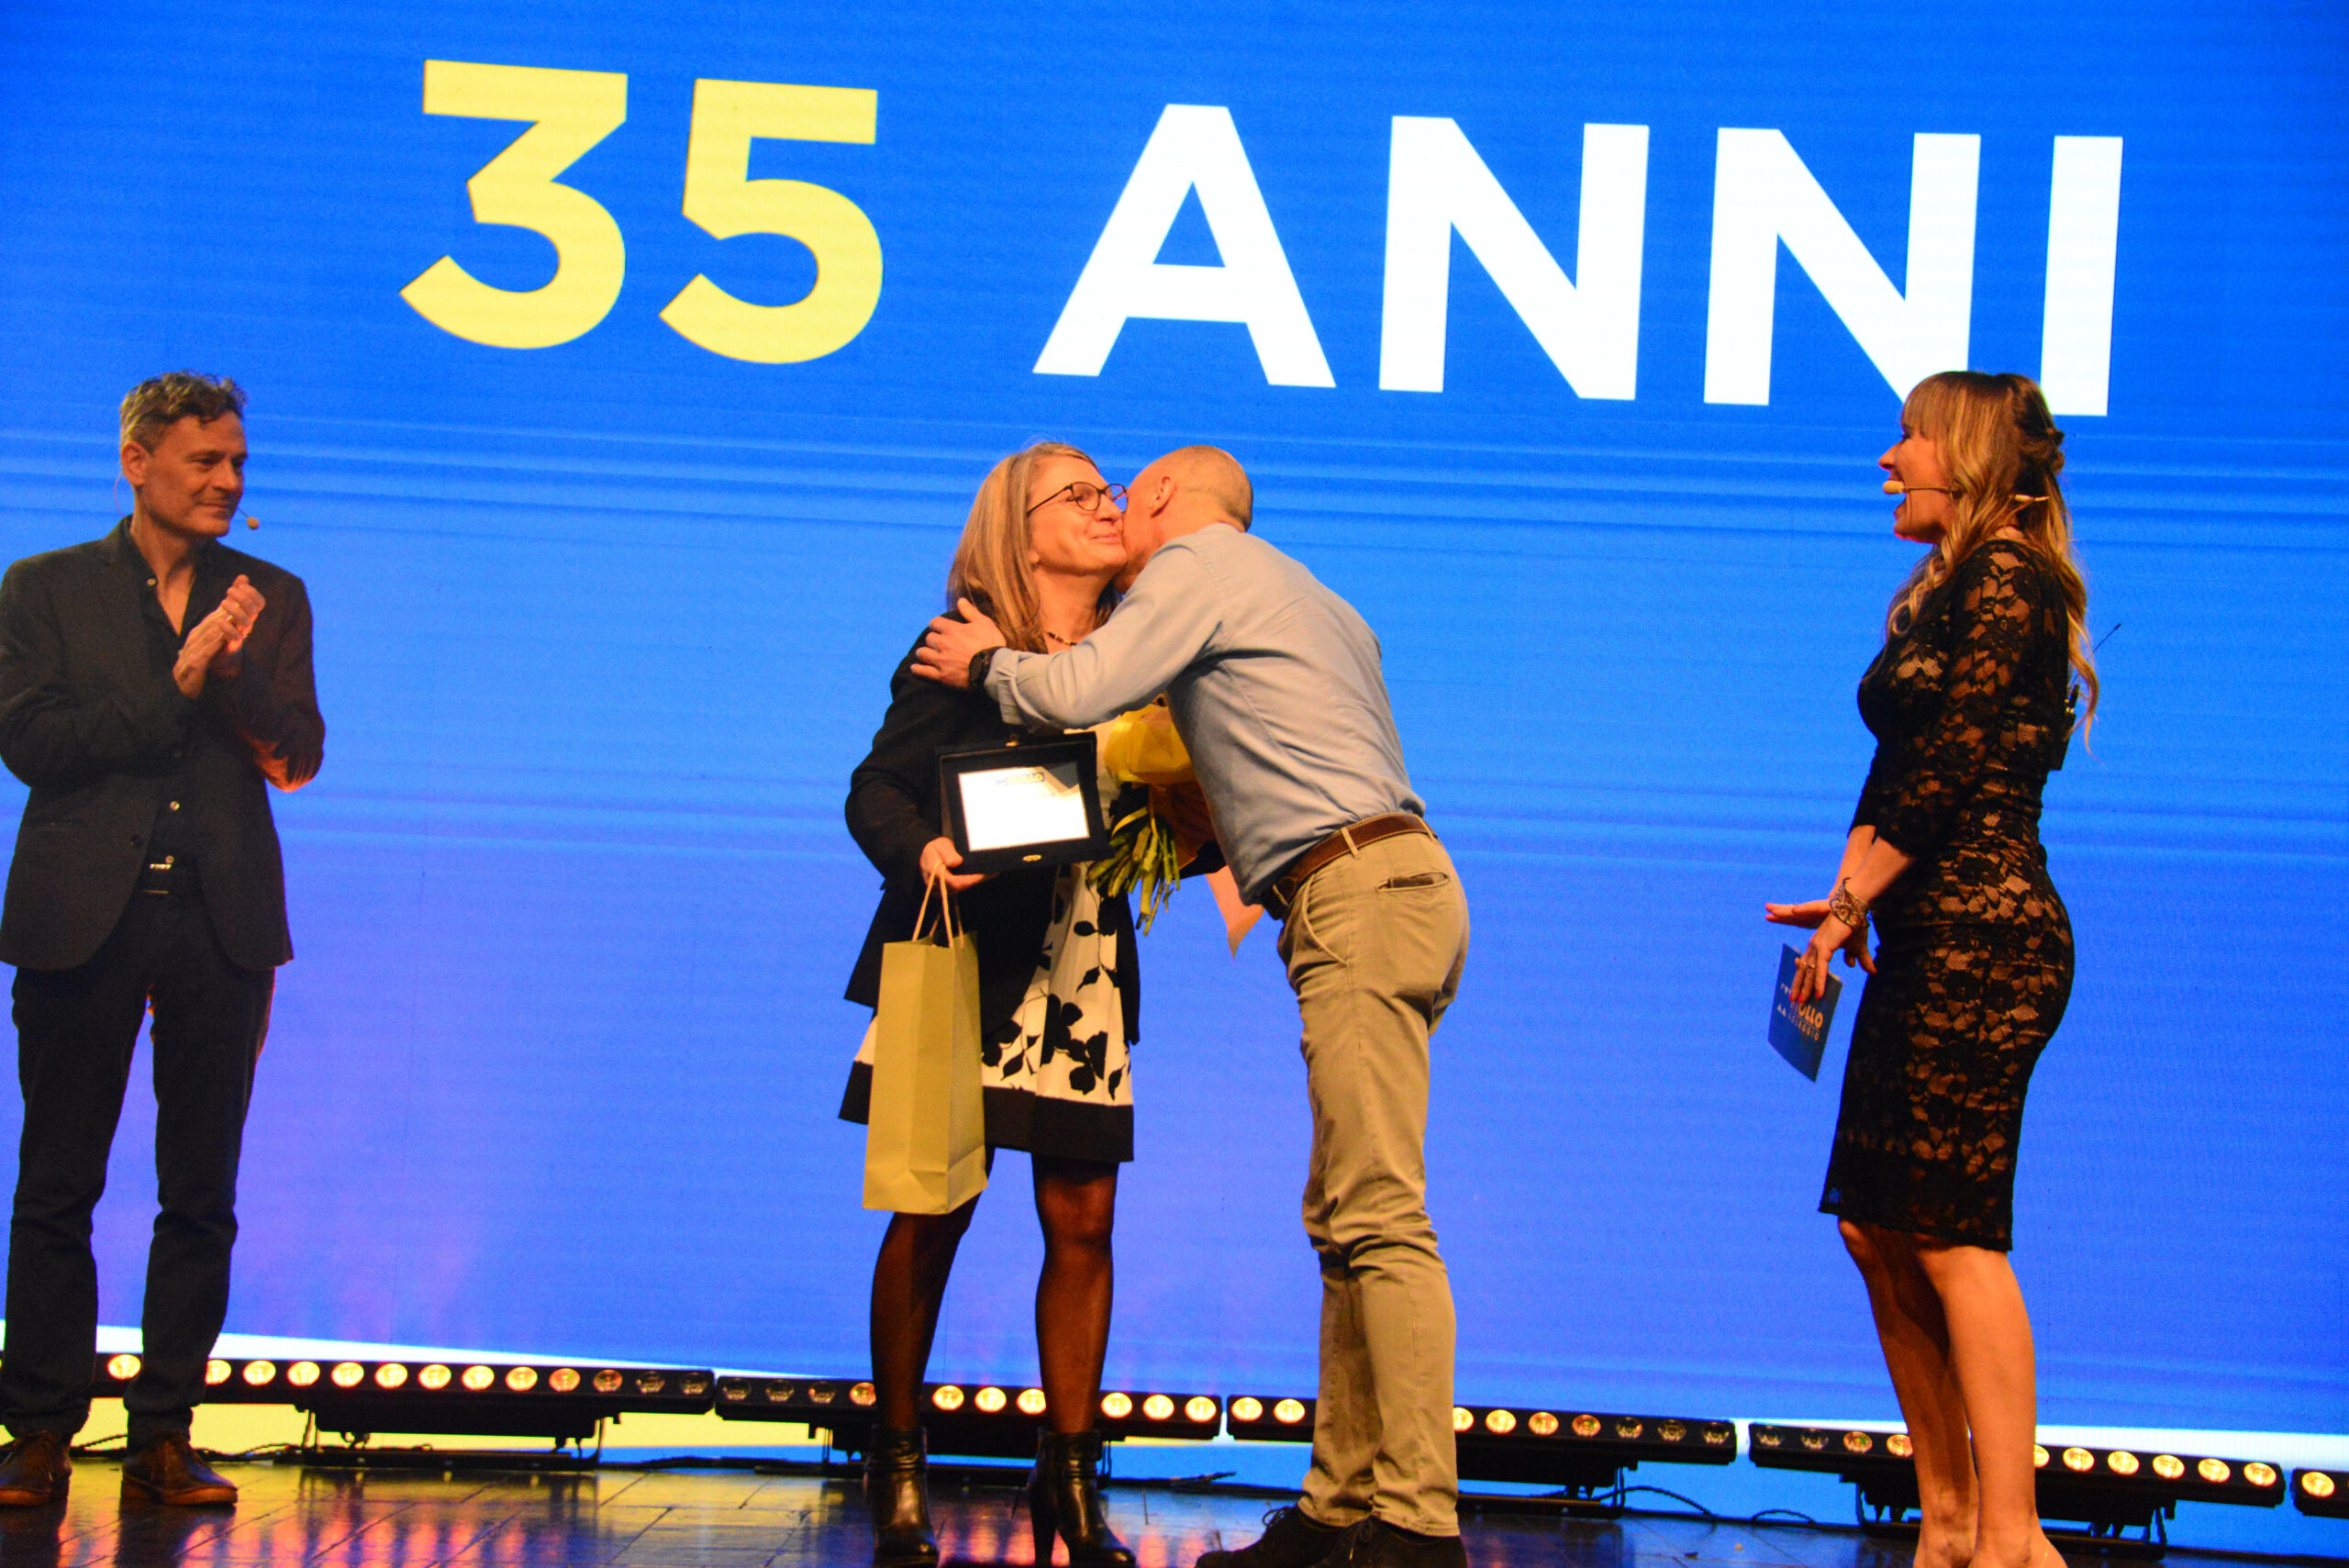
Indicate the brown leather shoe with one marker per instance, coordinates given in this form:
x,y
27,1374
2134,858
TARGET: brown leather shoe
x,y
168,1471
37,1470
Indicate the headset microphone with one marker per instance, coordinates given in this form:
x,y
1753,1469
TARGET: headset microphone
x,y
251,521
1894,487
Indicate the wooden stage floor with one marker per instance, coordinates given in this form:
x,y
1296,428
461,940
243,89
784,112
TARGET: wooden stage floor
x,y
707,1519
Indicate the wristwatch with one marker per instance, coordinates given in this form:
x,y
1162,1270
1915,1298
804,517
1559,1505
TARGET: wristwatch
x,y
979,663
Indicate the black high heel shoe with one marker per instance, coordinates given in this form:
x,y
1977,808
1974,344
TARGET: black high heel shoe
x,y
896,1490
1064,1499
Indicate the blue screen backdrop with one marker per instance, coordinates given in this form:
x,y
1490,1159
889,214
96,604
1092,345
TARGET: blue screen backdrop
x,y
603,626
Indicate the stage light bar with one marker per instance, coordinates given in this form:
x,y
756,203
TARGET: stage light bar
x,y
1254,1417
2106,1488
456,1398
239,1381
484,1399
979,1420
1160,1415
2321,1494
832,1403
1559,1447
1582,1451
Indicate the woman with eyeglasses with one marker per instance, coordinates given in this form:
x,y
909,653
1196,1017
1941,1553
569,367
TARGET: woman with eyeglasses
x,y
1059,1004
1973,964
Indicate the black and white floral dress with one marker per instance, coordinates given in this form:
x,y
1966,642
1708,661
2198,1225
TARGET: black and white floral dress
x,y
1060,983
1057,1072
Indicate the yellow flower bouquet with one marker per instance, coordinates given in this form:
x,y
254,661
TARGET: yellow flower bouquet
x,y
1149,846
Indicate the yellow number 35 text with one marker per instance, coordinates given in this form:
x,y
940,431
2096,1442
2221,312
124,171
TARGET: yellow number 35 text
x,y
570,112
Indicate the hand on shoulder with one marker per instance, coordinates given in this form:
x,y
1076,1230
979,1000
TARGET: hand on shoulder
x,y
953,640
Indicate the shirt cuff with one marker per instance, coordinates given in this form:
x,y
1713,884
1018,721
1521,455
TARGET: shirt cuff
x,y
1001,669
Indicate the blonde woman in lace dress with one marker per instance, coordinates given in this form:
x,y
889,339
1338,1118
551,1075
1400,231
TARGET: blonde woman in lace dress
x,y
1973,967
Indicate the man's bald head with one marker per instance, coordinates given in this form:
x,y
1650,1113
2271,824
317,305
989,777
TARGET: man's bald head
x,y
1189,489
1215,477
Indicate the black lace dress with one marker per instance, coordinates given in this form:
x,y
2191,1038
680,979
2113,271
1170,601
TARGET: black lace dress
x,y
1974,957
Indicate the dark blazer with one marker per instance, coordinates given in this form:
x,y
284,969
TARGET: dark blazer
x,y
894,808
85,721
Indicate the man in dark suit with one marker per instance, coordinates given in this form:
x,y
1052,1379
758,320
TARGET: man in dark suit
x,y
151,684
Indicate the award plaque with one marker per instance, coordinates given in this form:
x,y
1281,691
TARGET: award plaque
x,y
1031,803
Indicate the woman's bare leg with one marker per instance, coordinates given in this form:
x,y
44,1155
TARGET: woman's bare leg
x,y
1915,1335
1076,1203
908,1286
1990,1352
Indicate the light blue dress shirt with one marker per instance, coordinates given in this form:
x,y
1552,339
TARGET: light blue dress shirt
x,y
1274,685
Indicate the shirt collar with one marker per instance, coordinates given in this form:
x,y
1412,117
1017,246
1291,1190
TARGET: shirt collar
x,y
205,591
120,550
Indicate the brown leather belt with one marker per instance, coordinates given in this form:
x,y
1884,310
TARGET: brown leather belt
x,y
1280,895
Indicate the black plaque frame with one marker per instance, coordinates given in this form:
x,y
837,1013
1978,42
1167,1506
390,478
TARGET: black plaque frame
x,y
1080,747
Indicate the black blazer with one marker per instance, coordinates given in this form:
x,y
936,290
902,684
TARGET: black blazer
x,y
85,721
894,808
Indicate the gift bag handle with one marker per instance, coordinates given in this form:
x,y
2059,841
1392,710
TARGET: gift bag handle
x,y
948,925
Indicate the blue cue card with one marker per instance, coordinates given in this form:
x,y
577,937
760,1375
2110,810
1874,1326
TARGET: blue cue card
x,y
1801,1037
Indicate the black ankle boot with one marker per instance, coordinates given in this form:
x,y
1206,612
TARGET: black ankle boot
x,y
896,1489
1064,1499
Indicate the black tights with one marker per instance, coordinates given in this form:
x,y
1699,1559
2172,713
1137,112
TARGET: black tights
x,y
1077,1202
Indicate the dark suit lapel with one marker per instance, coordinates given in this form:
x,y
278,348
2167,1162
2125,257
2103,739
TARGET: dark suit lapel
x,y
128,570
125,579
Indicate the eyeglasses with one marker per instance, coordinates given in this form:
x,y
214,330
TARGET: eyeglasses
x,y
1087,494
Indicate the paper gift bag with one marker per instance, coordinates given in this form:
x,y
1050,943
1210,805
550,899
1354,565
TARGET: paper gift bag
x,y
925,1139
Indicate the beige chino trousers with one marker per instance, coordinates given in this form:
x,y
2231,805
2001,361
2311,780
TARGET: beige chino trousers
x,y
1374,947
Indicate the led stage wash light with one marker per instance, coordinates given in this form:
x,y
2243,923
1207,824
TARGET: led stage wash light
x,y
1269,1419
2321,1494
977,1419
240,1381
1582,1451
359,1398
2106,1489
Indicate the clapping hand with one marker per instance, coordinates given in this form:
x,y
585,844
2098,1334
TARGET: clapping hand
x,y
217,645
1829,935
946,653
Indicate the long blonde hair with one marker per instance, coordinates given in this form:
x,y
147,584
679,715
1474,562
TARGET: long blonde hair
x,y
991,565
2003,455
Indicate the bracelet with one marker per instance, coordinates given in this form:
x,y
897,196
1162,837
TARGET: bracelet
x,y
1843,907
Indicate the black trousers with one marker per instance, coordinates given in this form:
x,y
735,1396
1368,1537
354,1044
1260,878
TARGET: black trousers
x,y
76,1029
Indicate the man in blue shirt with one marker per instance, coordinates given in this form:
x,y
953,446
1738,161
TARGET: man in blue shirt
x,y
1275,687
